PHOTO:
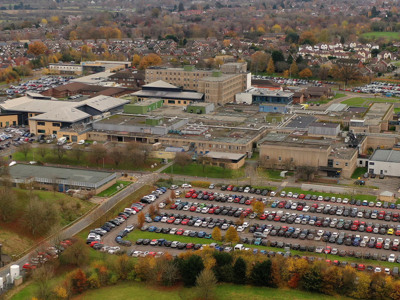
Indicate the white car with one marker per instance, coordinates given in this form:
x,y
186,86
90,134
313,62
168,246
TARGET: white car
x,y
186,232
81,142
163,219
186,186
178,193
246,224
392,258
114,250
161,205
205,210
136,253
129,228
345,200
240,229
247,189
272,194
306,208
173,231
174,187
186,207
290,194
283,194
212,186
197,223
320,198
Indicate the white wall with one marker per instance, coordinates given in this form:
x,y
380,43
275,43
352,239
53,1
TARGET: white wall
x,y
244,98
388,168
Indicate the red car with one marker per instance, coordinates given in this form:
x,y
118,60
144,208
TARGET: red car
x,y
236,200
194,196
263,217
378,245
229,188
189,245
152,254
188,195
29,266
302,196
180,231
300,207
277,218
193,208
328,249
356,222
171,220
397,232
369,229
248,202
211,210
315,205
354,227
185,221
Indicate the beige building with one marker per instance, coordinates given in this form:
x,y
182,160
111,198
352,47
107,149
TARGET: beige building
x,y
375,120
8,120
224,159
218,87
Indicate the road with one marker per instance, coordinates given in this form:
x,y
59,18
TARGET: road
x,y
88,219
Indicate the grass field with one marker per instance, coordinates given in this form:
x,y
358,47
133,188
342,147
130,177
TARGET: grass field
x,y
222,292
365,102
359,172
349,196
14,236
339,95
382,34
114,188
397,110
208,171
70,160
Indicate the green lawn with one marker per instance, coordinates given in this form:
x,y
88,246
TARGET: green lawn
x,y
339,95
349,196
114,188
126,290
382,34
397,110
359,172
365,102
195,169
70,159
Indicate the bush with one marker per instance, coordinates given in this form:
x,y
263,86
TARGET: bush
x,y
199,183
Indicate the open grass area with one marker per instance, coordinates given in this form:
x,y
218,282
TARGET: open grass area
x,y
359,172
397,110
118,186
382,34
349,196
141,291
70,159
205,171
14,236
339,95
365,102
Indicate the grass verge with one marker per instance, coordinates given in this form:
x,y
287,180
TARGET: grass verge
x,y
365,102
204,171
118,186
349,196
359,172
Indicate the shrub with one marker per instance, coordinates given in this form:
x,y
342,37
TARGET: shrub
x,y
199,183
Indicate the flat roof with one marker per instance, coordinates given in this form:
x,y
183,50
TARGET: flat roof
x,y
166,94
301,122
23,172
146,102
337,107
161,84
225,155
127,119
386,156
324,124
93,78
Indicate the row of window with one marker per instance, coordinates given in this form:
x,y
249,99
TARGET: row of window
x,y
53,124
42,131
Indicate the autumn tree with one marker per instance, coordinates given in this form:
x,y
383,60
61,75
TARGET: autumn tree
x,y
97,153
306,73
25,148
258,61
294,69
79,282
8,200
37,48
45,216
117,154
271,66
141,219
149,61
331,280
182,159
258,207
362,287
42,277
77,254
307,37
73,35
345,73
312,279
216,234
232,235
205,285
136,60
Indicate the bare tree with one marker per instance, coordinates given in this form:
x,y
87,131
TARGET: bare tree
x,y
25,148
117,155
59,151
97,153
182,159
42,150
78,152
8,203
42,277
40,217
306,172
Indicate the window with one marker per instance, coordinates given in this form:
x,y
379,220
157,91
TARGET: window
x,y
40,123
371,163
56,124
41,131
280,158
337,163
346,164
54,131
267,156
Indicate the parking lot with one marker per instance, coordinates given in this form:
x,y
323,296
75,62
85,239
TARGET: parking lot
x,y
308,223
385,88
37,86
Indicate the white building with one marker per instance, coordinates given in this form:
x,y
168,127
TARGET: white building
x,y
386,162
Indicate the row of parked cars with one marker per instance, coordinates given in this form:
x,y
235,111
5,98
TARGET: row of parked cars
x,y
38,85
148,199
379,87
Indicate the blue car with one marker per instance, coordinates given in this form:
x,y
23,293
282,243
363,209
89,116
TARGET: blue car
x,y
157,219
255,251
201,234
152,229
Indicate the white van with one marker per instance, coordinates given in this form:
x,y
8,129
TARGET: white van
x,y
62,140
239,247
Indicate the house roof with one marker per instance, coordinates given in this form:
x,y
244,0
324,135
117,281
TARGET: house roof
x,y
161,84
225,155
386,156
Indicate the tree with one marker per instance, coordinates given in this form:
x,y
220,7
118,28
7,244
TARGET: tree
x,y
37,48
141,219
42,150
182,159
277,56
362,288
136,60
232,235
181,7
258,207
271,66
312,279
332,280
42,277
306,73
239,271
167,271
205,285
294,70
306,172
77,254
25,148
79,282
8,204
73,35
59,151
117,155
190,268
149,61
307,37
97,153
40,216
348,280
258,61
77,152
261,273
216,234
345,73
